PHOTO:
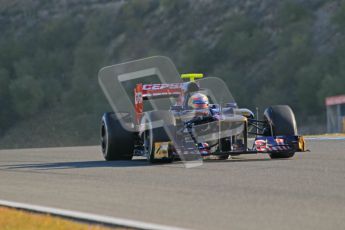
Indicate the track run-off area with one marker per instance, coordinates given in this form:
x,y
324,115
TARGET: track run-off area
x,y
244,192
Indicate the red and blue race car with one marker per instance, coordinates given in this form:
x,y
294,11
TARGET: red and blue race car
x,y
189,120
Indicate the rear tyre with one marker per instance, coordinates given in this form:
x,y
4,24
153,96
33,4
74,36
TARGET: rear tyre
x,y
282,122
117,143
154,134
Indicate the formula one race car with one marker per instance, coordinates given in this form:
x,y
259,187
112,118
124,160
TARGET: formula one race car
x,y
192,122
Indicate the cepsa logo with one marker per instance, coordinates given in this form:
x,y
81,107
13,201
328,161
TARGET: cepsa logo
x,y
162,86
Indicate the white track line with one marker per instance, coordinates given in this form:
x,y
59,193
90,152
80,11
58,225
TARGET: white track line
x,y
324,138
81,216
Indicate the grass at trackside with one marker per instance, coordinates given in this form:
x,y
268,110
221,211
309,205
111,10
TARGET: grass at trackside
x,y
11,219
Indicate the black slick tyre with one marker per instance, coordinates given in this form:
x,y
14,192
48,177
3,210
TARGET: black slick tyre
x,y
117,143
281,120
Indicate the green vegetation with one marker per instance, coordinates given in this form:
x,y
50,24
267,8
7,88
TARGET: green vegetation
x,y
290,52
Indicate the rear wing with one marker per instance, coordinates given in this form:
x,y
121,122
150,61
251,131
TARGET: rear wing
x,y
153,91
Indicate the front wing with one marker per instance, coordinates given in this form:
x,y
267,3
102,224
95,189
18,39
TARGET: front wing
x,y
272,144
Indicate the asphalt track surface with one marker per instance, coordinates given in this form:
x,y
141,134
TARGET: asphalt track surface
x,y
246,192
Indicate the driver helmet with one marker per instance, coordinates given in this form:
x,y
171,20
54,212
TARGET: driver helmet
x,y
198,101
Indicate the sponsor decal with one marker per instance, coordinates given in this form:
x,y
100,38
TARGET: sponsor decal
x,y
280,141
162,86
161,150
261,145
138,98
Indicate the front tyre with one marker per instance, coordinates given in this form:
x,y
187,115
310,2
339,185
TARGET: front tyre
x,y
117,143
282,122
